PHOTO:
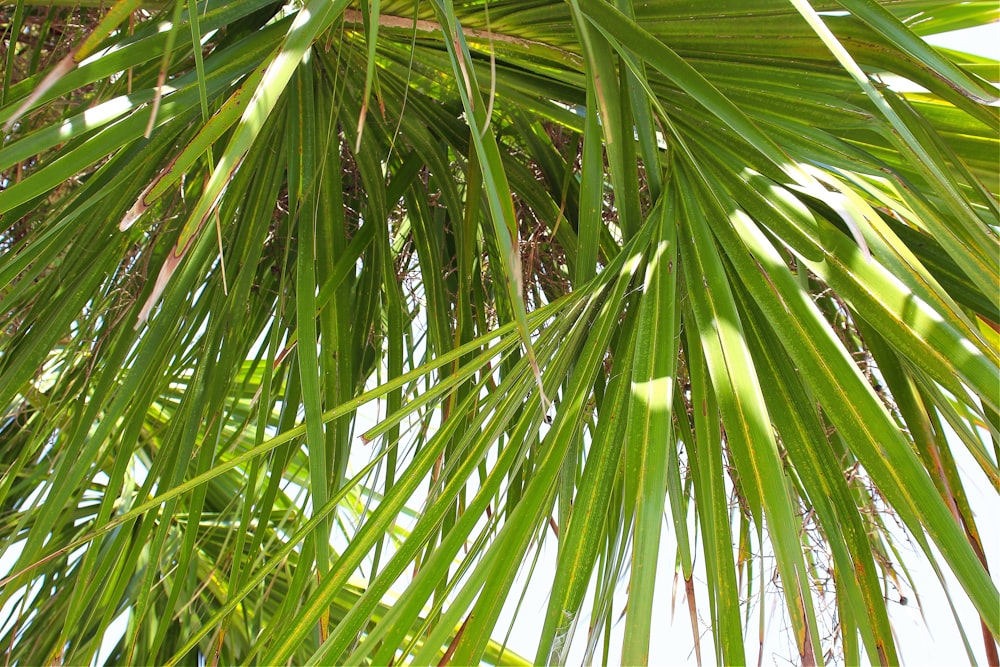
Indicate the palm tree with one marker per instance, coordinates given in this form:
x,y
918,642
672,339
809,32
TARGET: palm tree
x,y
322,319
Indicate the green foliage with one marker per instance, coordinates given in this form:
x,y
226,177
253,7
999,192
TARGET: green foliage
x,y
287,291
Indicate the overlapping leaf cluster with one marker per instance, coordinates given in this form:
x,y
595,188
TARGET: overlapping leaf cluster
x,y
318,317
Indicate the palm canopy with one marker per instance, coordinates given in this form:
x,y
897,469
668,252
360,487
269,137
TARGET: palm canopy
x,y
318,318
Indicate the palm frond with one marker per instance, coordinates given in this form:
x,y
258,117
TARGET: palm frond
x,y
322,321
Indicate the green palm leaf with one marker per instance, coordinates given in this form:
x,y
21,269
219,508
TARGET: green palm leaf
x,y
325,323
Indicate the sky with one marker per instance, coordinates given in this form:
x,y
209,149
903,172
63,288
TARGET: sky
x,y
981,41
